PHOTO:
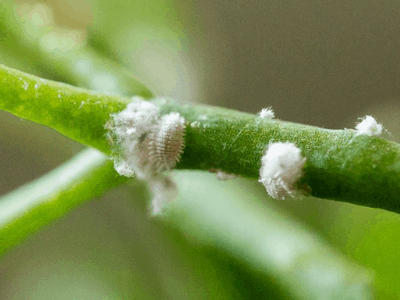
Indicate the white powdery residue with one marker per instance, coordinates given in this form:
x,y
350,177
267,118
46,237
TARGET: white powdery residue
x,y
195,124
266,113
123,168
164,191
166,142
82,103
281,166
369,126
130,129
221,175
139,116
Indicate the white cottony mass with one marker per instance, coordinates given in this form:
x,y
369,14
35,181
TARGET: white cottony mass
x,y
146,143
266,113
281,166
369,126
128,130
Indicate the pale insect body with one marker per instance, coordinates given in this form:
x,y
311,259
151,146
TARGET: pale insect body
x,y
281,166
369,126
167,142
267,113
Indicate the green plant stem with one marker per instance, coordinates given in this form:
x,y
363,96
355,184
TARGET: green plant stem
x,y
29,208
340,166
80,65
250,231
74,112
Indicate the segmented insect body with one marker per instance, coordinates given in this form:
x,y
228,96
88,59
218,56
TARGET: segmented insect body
x,y
127,130
167,142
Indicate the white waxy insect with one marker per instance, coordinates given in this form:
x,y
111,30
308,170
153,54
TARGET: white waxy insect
x,y
266,113
281,166
167,142
128,130
369,126
146,144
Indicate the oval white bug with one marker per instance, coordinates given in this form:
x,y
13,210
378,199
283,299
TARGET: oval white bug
x,y
167,142
267,113
369,126
281,166
126,131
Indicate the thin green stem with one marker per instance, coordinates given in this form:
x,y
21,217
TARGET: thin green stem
x,y
31,207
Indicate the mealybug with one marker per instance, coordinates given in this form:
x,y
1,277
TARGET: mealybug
x,y
266,113
167,142
281,166
369,126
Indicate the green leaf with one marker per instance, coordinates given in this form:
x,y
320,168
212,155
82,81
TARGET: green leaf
x,y
234,217
86,176
35,205
59,56
250,231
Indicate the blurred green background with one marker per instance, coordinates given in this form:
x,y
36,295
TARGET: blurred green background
x,y
319,63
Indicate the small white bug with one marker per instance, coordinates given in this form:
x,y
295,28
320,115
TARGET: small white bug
x,y
369,126
146,144
167,142
266,113
281,167
128,130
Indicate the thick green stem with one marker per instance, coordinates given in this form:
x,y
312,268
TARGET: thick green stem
x,y
340,165
77,113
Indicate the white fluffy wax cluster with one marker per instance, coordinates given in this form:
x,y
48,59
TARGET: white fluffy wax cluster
x,y
369,126
130,128
266,113
281,167
148,145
